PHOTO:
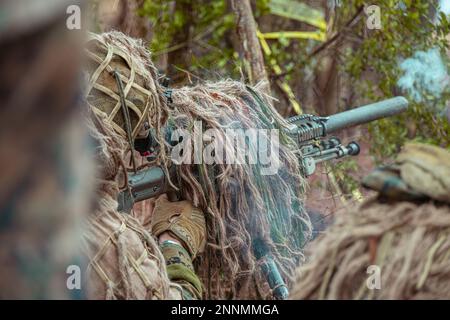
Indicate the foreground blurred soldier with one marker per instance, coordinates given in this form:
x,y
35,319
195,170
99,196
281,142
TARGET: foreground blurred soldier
x,y
395,245
125,261
47,187
45,175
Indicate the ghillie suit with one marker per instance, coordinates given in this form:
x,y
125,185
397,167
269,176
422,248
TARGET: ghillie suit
x,y
45,176
124,259
125,262
403,231
245,209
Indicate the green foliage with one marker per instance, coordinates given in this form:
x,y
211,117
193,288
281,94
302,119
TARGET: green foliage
x,y
372,62
158,12
207,22
405,30
210,21
292,9
262,7
345,171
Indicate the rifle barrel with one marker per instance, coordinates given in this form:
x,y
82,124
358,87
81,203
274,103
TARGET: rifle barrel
x,y
367,113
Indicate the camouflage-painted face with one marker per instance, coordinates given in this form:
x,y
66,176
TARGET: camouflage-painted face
x,y
103,94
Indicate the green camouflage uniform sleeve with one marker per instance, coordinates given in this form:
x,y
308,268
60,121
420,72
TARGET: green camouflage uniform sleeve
x,y
181,270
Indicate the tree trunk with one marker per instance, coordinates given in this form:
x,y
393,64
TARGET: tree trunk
x,y
250,49
134,24
123,16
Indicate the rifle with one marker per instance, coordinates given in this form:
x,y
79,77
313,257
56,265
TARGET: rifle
x,y
310,133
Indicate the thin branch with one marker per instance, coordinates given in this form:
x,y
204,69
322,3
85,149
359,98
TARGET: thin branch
x,y
347,26
197,37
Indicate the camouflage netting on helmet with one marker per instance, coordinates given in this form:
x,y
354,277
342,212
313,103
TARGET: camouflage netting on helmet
x,y
408,240
244,208
138,80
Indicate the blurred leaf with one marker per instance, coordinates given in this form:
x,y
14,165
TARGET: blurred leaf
x,y
298,11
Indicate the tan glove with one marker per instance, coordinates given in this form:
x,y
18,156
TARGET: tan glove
x,y
183,220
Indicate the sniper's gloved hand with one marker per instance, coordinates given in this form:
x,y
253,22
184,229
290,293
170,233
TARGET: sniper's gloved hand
x,y
182,220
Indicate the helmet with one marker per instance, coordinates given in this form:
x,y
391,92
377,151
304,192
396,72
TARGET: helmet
x,y
120,87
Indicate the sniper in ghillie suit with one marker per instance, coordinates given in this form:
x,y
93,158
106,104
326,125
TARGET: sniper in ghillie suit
x,y
225,150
